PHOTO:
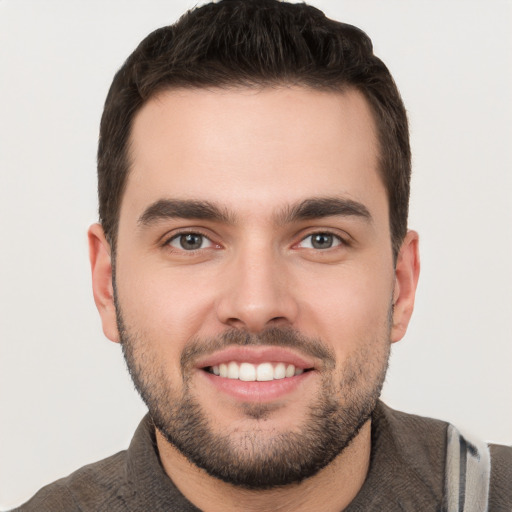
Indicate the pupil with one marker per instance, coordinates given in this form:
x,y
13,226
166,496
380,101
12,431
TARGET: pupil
x,y
191,241
322,241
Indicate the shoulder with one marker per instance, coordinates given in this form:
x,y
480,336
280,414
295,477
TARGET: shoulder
x,y
406,463
96,487
423,445
420,440
500,492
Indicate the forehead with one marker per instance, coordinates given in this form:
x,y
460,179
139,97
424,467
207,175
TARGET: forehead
x,y
251,148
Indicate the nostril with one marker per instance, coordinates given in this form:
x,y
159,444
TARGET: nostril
x,y
235,322
278,321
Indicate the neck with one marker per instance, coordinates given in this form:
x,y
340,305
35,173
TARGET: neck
x,y
331,489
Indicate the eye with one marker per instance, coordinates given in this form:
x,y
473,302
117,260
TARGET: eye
x,y
320,241
190,242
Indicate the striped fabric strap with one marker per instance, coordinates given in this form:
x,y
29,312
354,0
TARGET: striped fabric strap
x,y
467,475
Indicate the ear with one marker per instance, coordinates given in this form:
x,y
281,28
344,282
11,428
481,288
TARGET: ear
x,y
103,291
407,272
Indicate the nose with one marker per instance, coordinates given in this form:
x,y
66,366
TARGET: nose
x,y
257,292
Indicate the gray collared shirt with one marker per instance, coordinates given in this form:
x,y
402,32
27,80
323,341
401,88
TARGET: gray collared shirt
x,y
406,474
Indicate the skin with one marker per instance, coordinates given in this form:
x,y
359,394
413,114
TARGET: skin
x,y
255,153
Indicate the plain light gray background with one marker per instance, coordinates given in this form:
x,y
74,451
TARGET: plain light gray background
x,y
65,396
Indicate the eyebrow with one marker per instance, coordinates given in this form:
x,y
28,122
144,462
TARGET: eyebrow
x,y
184,209
312,208
318,207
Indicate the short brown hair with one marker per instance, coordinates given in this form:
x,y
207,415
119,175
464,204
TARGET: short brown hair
x,y
254,43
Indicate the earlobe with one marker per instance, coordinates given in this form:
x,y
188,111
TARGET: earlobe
x,y
101,268
406,281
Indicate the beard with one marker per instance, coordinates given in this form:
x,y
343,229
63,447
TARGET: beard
x,y
256,458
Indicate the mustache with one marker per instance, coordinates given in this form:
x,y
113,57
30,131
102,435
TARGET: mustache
x,y
273,336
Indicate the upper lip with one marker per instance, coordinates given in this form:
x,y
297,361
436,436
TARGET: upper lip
x,y
256,355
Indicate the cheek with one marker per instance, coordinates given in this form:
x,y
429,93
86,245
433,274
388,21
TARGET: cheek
x,y
166,306
348,307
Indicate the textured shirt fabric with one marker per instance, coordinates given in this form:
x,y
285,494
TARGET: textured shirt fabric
x,y
406,474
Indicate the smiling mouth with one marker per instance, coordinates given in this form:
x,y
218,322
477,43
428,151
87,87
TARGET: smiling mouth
x,y
249,372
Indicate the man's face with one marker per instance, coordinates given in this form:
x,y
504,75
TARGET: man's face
x,y
254,242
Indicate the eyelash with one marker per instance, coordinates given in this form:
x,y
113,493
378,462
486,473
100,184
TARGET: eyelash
x,y
176,236
337,240
341,241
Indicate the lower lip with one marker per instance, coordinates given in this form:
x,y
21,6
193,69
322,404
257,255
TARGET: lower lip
x,y
265,391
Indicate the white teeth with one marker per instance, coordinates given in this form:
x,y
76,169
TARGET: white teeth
x,y
233,372
264,372
249,372
280,371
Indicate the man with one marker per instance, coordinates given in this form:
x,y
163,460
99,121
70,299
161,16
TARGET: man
x,y
254,262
